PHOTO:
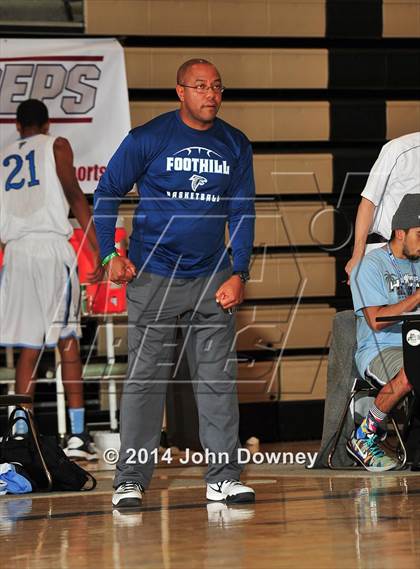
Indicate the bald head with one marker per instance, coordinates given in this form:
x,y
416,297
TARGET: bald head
x,y
186,67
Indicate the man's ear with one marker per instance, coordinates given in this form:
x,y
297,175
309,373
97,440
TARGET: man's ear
x,y
400,234
180,92
19,128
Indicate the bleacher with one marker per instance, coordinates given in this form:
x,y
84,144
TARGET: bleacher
x,y
317,105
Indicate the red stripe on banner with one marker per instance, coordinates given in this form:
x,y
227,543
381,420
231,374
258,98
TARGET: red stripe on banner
x,y
54,120
55,58
73,120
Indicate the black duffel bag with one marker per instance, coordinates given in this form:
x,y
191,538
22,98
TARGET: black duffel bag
x,y
65,474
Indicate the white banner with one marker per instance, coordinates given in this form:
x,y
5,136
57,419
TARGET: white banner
x,y
84,85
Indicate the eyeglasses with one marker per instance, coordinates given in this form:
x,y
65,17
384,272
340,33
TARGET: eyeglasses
x,y
203,88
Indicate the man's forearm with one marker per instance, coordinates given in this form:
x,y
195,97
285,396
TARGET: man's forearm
x,y
364,221
242,236
407,305
105,215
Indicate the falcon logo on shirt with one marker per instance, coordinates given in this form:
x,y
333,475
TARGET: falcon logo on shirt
x,y
197,181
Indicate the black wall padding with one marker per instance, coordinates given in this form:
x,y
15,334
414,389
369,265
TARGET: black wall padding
x,y
300,420
351,167
259,420
404,69
283,421
354,18
374,69
357,120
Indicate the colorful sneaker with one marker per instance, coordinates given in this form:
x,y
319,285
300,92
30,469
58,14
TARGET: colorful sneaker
x,y
381,434
81,447
232,491
369,454
128,494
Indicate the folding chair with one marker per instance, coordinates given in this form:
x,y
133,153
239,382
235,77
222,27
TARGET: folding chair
x,y
369,388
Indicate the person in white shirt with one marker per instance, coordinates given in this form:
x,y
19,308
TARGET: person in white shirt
x,y
39,287
395,174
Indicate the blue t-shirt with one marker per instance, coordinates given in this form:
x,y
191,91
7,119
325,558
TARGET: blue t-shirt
x,y
191,183
375,282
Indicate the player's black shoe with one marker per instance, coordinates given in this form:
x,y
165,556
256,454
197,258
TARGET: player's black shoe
x,y
81,447
128,494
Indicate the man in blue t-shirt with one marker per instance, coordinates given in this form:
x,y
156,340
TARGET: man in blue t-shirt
x,y
194,174
385,283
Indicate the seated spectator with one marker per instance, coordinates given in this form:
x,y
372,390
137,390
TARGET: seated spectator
x,y
386,282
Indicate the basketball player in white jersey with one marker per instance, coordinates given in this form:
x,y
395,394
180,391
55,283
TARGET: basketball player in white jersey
x,y
39,288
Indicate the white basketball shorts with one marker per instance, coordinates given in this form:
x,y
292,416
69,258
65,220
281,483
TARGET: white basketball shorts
x,y
39,292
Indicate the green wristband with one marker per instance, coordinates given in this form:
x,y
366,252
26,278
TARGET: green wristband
x,y
109,257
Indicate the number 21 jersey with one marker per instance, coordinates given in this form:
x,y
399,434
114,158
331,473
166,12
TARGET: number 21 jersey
x,y
32,199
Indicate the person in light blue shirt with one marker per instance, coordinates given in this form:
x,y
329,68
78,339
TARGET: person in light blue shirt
x,y
378,284
195,178
386,282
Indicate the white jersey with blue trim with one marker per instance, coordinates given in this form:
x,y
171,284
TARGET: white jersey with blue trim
x,y
32,199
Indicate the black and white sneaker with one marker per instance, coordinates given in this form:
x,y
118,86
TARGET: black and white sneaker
x,y
221,515
81,447
128,494
126,517
232,491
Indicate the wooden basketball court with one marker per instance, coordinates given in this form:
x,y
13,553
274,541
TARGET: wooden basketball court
x,y
302,518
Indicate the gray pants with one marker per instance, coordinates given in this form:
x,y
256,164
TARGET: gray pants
x,y
156,307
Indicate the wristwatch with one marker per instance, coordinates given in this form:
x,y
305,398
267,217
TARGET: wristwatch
x,y
243,275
